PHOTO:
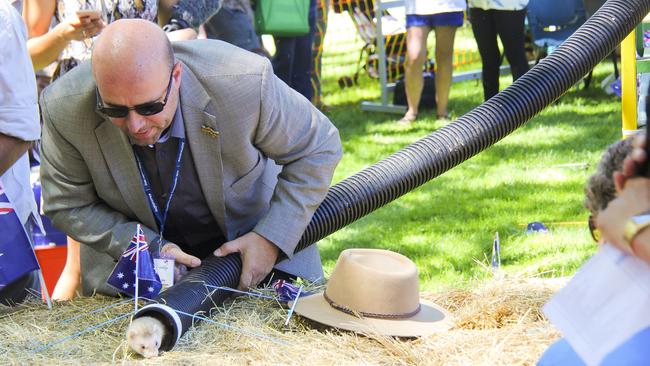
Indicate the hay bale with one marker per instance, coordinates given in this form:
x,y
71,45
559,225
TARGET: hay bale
x,y
497,323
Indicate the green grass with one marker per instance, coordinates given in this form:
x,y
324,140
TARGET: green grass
x,y
536,173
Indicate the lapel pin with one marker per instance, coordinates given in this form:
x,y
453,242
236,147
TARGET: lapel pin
x,y
210,131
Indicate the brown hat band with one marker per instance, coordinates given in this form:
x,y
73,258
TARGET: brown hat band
x,y
368,315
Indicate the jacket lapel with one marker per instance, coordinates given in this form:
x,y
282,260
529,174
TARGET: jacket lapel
x,y
204,139
118,153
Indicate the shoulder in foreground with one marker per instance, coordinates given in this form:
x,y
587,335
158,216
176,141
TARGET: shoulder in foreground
x,y
213,58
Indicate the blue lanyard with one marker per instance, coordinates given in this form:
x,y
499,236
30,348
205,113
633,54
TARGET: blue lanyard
x,y
161,217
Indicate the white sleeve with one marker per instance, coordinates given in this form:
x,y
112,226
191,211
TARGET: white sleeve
x,y
18,99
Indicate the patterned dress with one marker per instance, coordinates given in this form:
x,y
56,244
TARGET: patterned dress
x,y
111,10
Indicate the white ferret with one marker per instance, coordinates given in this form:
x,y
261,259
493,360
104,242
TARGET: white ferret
x,y
144,335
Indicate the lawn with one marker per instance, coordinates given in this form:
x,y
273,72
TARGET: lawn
x,y
446,226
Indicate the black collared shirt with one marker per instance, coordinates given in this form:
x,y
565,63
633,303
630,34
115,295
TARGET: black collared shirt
x,y
190,224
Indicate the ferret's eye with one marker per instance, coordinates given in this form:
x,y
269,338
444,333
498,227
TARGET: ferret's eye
x,y
156,343
142,347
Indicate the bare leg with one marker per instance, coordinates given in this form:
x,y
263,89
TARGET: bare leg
x,y
70,277
444,61
416,54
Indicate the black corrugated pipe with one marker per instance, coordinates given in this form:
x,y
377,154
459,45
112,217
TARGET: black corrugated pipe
x,y
423,160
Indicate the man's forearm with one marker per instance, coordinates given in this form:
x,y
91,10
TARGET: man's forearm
x,y
11,149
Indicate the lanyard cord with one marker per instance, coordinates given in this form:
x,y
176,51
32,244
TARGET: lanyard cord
x,y
161,217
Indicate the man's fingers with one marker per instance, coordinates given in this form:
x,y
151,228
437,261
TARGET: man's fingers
x,y
629,167
639,141
180,256
639,155
186,259
227,248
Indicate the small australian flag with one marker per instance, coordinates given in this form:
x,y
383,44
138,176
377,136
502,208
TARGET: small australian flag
x,y
136,263
16,254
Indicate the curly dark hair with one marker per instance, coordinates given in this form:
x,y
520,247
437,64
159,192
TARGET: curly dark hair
x,y
600,189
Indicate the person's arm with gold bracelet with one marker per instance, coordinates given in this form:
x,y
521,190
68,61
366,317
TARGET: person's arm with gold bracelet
x,y
625,222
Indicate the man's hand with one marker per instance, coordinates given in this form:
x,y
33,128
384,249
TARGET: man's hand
x,y
632,200
258,257
182,260
80,28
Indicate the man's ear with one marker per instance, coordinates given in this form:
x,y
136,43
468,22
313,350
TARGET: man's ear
x,y
177,72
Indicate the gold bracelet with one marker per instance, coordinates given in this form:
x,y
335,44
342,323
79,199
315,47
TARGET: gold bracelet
x,y
634,226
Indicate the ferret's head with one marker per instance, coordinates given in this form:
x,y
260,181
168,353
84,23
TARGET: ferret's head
x,y
144,336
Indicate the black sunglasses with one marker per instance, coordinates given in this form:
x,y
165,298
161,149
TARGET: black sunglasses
x,y
145,109
595,232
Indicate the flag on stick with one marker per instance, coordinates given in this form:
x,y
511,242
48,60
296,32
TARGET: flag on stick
x,y
496,252
134,273
17,256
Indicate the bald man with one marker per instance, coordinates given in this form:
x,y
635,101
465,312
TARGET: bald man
x,y
200,143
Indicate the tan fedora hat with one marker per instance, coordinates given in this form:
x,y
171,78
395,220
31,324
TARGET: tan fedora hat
x,y
375,291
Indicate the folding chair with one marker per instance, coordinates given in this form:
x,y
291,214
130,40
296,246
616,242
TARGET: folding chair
x,y
362,13
552,22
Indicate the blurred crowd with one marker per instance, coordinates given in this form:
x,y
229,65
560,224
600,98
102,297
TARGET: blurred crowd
x,y
61,35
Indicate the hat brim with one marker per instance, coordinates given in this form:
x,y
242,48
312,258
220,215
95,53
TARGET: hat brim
x,y
430,319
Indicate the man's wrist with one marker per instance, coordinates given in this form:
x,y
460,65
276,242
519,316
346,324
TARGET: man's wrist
x,y
280,253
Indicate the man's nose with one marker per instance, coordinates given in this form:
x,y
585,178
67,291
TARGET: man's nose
x,y
134,121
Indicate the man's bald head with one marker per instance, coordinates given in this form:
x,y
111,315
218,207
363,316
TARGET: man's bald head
x,y
133,65
131,50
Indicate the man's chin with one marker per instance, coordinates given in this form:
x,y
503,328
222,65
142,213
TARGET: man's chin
x,y
145,141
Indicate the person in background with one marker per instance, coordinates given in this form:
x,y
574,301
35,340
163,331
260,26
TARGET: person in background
x,y
71,40
505,19
322,10
422,16
233,23
293,58
69,43
171,122
19,127
633,200
601,188
45,45
613,196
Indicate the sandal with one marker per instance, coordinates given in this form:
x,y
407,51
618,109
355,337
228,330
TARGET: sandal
x,y
444,117
407,119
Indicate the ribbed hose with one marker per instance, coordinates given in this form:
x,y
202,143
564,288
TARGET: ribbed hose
x,y
425,159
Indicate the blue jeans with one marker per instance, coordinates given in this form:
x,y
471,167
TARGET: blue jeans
x,y
292,60
635,351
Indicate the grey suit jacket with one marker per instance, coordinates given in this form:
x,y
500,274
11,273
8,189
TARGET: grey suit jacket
x,y
90,182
